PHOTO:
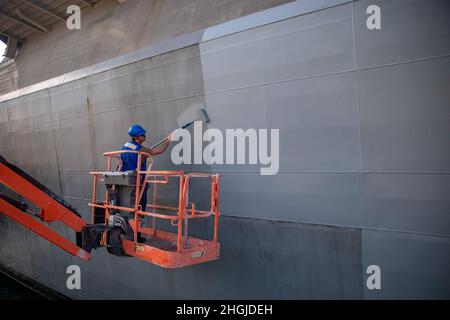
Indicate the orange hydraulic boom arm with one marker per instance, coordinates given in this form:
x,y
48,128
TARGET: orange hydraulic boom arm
x,y
52,208
110,227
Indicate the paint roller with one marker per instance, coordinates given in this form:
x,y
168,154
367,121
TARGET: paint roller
x,y
187,119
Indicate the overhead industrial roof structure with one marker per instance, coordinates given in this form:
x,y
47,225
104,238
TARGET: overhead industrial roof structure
x,y
20,19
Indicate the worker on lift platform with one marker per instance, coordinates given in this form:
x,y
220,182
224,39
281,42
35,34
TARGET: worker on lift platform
x,y
129,160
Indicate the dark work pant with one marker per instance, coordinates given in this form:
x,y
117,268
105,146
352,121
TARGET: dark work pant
x,y
143,202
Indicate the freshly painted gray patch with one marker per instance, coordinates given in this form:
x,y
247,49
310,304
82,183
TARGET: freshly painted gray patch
x,y
255,20
412,266
410,202
318,119
254,56
405,117
327,198
410,29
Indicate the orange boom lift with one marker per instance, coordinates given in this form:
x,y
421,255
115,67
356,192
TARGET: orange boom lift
x,y
116,225
52,208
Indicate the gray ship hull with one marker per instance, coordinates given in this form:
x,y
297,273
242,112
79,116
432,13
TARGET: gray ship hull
x,y
364,119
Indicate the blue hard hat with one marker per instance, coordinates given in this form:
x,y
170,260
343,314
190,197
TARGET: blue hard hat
x,y
136,131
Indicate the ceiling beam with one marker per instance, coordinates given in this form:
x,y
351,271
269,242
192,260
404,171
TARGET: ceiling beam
x,y
20,22
86,2
10,36
54,15
28,19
